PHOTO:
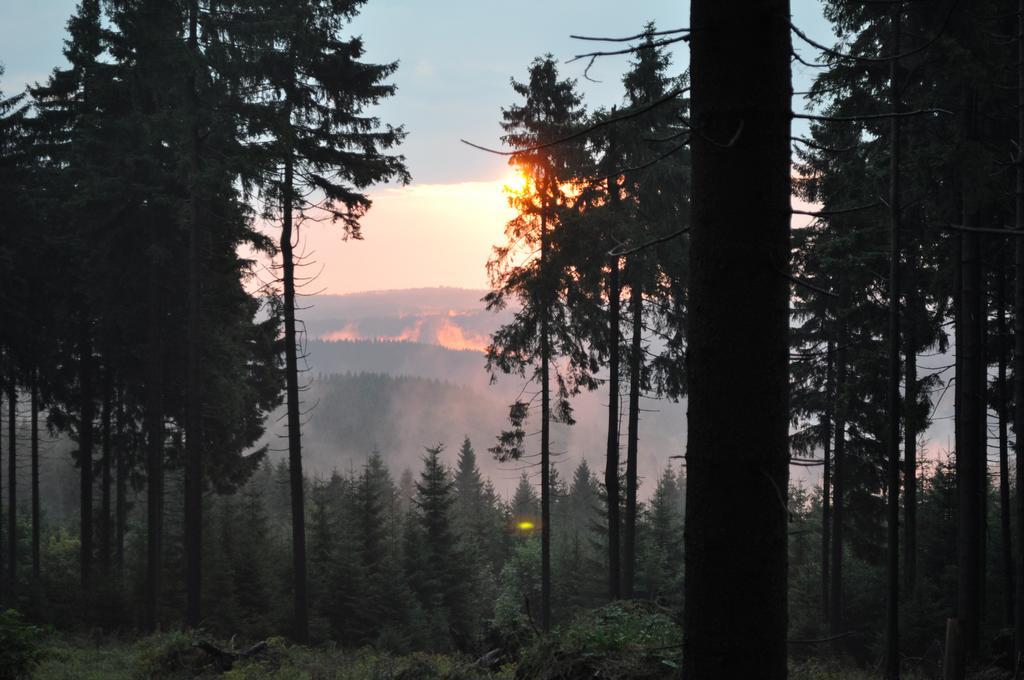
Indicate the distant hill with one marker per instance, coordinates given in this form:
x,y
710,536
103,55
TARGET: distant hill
x,y
391,370
449,317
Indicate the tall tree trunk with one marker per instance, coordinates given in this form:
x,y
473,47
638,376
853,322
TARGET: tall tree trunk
x,y
611,468
839,478
911,422
910,429
1018,348
545,438
105,444
970,459
3,528
34,451
982,439
1003,397
892,632
193,397
85,437
121,497
737,457
12,490
826,476
636,306
154,424
971,435
301,623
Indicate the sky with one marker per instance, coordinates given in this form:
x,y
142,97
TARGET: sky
x,y
455,61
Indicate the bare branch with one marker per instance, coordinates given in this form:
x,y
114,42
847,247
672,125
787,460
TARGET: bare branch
x,y
616,252
838,211
638,36
626,115
869,116
629,50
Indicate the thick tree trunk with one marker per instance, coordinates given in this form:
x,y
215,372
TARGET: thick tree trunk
x,y
892,632
193,397
611,467
85,462
545,441
1018,348
636,306
737,457
970,458
301,623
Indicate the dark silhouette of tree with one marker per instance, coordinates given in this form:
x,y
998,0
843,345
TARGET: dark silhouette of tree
x,y
1018,352
539,331
318,151
737,452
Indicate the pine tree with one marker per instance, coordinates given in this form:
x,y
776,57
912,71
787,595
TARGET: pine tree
x,y
666,515
319,151
539,331
433,562
525,505
71,132
653,143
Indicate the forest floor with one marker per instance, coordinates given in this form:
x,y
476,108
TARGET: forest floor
x,y
621,641
174,656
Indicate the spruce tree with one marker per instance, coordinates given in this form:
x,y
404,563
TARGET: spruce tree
x,y
539,331
318,151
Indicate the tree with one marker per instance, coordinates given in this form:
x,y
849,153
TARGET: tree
x,y
441,573
69,128
538,332
651,142
319,151
1018,351
737,452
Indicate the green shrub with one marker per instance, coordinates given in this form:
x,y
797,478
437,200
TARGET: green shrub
x,y
168,656
20,648
621,640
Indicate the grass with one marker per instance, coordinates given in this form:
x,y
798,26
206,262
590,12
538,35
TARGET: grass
x,y
621,641
172,656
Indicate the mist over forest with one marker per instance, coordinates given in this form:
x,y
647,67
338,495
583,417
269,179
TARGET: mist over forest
x,y
401,380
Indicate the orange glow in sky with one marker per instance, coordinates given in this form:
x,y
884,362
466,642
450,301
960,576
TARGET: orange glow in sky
x,y
422,235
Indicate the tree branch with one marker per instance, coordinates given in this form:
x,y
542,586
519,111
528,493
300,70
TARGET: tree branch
x,y
626,115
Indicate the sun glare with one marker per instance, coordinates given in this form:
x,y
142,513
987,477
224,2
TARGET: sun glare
x,y
516,181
